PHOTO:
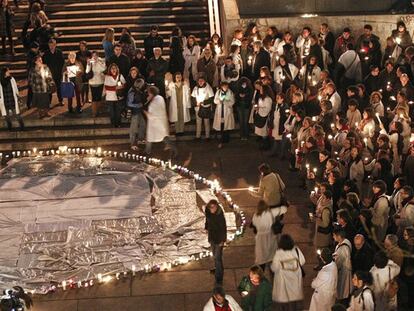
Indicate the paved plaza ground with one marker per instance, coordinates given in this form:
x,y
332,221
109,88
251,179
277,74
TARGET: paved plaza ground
x,y
188,287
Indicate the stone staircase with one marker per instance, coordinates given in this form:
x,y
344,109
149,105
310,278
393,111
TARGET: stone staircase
x,y
87,20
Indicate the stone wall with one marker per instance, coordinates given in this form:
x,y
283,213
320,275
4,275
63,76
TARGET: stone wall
x,y
382,24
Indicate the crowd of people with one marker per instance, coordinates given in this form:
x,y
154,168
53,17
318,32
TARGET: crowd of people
x,y
338,109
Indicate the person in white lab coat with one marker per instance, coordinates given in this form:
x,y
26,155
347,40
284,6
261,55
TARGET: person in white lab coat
x,y
383,273
221,301
324,284
191,55
287,267
342,256
362,298
265,239
157,121
178,91
223,116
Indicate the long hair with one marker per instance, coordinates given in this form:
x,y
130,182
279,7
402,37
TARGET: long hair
x,y
261,208
109,35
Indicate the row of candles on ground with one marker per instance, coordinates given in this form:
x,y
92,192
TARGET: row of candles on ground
x,y
214,185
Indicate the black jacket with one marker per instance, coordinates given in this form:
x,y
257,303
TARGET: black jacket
x,y
55,63
122,62
262,59
216,226
150,43
362,259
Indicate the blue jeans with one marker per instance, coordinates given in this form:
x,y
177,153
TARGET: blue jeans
x,y
217,250
243,122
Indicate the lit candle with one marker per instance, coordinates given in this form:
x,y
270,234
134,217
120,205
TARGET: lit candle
x,y
365,141
398,40
333,125
315,170
319,252
330,137
378,117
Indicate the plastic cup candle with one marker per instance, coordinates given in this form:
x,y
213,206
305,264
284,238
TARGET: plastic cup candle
x,y
316,189
315,170
319,252
398,40
249,61
365,141
319,97
314,118
330,137
378,117
401,115
332,125
356,124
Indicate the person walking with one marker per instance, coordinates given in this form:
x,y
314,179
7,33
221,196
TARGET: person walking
x,y
265,238
217,235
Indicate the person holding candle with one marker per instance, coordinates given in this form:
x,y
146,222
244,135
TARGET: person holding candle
x,y
114,81
323,220
73,71
98,67
223,117
377,105
256,291
285,74
367,128
401,35
260,113
202,98
325,283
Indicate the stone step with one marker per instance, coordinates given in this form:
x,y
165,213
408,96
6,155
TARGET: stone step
x,y
70,142
60,122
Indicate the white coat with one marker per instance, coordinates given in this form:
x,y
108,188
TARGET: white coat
x,y
381,279
363,302
287,283
276,122
225,104
98,67
264,105
157,122
312,77
172,108
191,58
15,95
265,239
336,100
324,284
342,257
279,75
234,306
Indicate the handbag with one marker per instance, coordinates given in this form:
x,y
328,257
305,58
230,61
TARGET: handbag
x,y
258,120
277,226
89,75
205,112
67,89
283,198
301,268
